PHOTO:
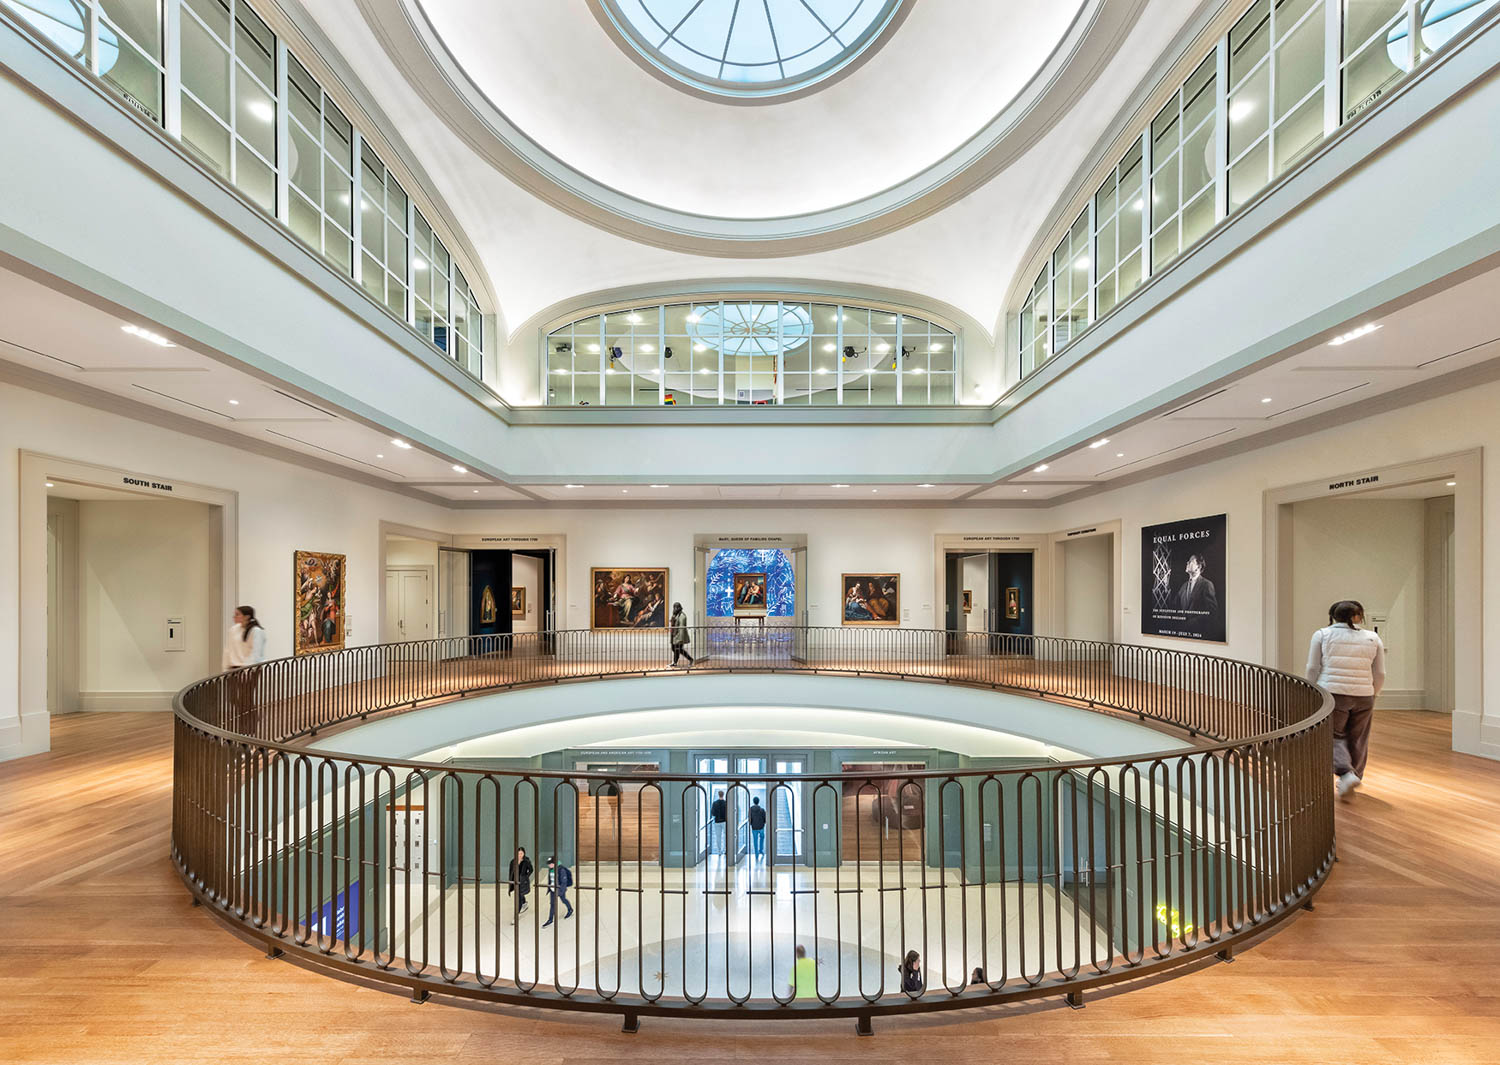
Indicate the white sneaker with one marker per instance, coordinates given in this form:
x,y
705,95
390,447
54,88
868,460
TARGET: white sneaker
x,y
1347,783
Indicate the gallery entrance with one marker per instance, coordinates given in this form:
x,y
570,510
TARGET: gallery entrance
x,y
496,590
989,601
735,832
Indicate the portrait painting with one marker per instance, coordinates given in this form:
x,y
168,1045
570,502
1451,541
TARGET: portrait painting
x,y
518,601
628,598
749,595
968,600
1012,604
872,599
489,610
317,602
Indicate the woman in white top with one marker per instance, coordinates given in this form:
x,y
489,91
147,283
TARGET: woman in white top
x,y
1350,662
244,647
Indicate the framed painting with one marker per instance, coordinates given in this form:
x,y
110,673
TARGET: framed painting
x,y
317,602
489,610
518,601
968,600
749,595
872,599
634,598
1013,604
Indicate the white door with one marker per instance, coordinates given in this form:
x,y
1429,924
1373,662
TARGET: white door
x,y
408,604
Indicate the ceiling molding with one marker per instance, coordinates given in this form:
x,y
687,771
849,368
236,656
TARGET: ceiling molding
x,y
418,52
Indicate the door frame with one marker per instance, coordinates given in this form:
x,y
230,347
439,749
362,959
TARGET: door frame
x,y
1474,732
1039,545
1113,528
430,572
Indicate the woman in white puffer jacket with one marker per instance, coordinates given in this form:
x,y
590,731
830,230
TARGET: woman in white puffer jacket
x,y
1350,662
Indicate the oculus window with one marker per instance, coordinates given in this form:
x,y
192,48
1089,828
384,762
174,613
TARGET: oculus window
x,y
751,48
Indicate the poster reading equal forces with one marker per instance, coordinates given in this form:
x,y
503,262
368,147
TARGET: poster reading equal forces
x,y
1183,579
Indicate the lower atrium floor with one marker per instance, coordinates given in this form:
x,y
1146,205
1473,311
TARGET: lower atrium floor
x,y
107,961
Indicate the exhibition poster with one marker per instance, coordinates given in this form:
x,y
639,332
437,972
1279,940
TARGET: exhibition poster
x,y
1183,579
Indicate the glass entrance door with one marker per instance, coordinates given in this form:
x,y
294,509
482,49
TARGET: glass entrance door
x,y
785,829
744,782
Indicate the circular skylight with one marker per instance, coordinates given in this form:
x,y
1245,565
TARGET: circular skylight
x,y
751,328
751,48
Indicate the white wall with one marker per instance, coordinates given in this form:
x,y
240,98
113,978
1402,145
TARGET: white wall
x,y
141,563
1088,586
526,572
282,507
1372,550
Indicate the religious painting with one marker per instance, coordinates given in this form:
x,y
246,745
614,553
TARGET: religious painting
x,y
317,602
749,595
968,600
628,598
1013,604
872,599
489,610
518,601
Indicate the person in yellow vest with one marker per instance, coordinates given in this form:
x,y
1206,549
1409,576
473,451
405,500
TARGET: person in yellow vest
x,y
804,981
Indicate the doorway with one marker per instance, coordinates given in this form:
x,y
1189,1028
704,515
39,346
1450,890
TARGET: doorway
x,y
742,781
1088,563
408,602
990,601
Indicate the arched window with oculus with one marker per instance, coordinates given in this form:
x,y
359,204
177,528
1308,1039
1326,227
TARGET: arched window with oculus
x,y
751,352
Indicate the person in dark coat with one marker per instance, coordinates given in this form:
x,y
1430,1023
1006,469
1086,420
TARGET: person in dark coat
x,y
520,879
757,818
911,973
559,879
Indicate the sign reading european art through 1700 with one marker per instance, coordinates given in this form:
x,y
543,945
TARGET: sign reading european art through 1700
x,y
1183,579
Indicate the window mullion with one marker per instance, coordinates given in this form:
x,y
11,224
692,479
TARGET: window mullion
x,y
171,56
1221,133
356,212
283,136
838,347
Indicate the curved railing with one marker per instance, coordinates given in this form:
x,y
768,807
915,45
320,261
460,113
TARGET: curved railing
x,y
1011,881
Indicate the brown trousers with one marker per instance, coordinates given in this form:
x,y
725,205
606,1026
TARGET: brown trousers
x,y
1352,715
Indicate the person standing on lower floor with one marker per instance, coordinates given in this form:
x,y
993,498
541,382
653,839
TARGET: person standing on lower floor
x,y
718,813
757,818
520,879
1350,663
559,879
680,635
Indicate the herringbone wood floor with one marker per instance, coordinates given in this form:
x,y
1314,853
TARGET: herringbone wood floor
x,y
103,960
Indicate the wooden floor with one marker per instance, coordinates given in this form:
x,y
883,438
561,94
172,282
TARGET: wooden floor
x,y
103,960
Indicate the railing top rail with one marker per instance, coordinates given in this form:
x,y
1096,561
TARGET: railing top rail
x,y
862,639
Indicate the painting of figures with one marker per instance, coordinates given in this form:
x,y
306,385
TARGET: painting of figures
x,y
872,599
628,598
317,602
749,595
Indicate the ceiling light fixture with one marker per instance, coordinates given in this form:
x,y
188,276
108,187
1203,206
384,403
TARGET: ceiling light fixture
x,y
572,486
838,486
610,372
234,403
882,348
561,372
380,456
694,319
593,349
1265,399
261,110
1355,334
1241,110
419,264
476,491
646,348
934,347
1081,263
1451,484
633,318
661,486
147,335
705,370
1041,469
1099,443
926,486
1025,490
919,370
700,347
874,490
402,444
51,485
822,369
1119,454
830,347
624,491
459,469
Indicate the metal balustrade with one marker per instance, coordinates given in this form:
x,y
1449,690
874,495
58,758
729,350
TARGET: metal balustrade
x,y
1011,881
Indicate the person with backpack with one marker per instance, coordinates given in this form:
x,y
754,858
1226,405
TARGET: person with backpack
x,y
1350,663
559,879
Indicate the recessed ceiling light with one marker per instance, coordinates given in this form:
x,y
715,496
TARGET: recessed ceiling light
x,y
1025,490
572,486
633,318
1354,334
624,491
925,486
1081,263
919,370
51,485
1139,205
419,264
147,335
1119,454
660,486
1041,469
705,370
459,469
934,347
874,489
1099,443
593,349
882,348
830,347
380,456
1240,110
610,372
822,369
402,444
234,403
1451,484
561,373
700,347
694,319
646,348
838,486
261,110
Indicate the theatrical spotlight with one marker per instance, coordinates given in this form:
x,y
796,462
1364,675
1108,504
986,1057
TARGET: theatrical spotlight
x,y
666,353
615,353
